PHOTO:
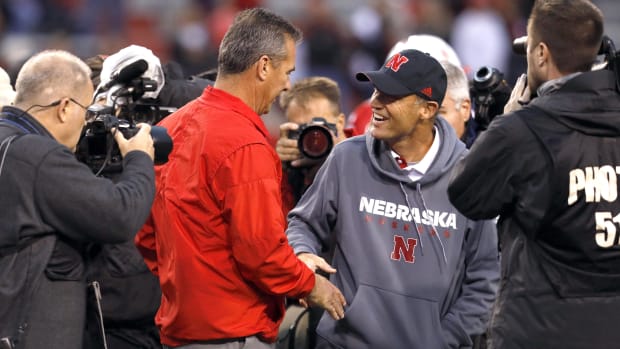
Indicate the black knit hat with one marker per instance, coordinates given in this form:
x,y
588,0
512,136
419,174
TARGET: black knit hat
x,y
409,72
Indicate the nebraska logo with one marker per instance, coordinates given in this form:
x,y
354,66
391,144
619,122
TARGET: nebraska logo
x,y
404,250
396,61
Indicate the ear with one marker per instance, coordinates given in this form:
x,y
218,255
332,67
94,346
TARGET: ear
x,y
542,54
341,119
263,67
62,110
465,109
430,110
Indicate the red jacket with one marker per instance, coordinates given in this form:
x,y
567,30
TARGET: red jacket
x,y
216,234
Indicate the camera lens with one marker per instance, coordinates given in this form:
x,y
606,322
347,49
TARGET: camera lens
x,y
315,142
483,75
487,79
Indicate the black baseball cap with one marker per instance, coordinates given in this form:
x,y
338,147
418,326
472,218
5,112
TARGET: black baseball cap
x,y
409,72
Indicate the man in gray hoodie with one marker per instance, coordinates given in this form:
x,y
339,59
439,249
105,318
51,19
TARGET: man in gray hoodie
x,y
416,272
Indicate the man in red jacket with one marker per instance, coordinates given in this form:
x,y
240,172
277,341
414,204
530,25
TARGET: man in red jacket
x,y
216,233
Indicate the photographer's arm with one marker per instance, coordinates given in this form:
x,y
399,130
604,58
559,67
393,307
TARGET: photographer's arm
x,y
76,203
482,183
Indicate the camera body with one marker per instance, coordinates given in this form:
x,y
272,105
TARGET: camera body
x,y
490,93
124,108
315,138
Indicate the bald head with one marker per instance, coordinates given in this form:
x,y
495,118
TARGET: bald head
x,y
49,76
54,87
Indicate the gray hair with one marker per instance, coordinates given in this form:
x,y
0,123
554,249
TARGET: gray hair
x,y
458,85
50,75
254,33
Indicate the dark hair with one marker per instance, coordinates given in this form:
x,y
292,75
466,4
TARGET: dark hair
x,y
255,32
313,87
572,29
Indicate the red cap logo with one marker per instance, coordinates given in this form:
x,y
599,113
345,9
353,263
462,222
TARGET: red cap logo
x,y
396,61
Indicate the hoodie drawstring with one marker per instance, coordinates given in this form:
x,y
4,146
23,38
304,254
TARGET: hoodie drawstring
x,y
443,250
417,229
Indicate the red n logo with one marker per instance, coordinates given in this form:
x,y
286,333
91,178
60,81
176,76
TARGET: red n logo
x,y
404,249
396,61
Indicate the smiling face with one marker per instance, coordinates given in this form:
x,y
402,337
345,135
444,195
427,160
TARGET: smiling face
x,y
396,119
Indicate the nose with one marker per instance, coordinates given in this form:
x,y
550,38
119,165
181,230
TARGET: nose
x,y
288,84
375,103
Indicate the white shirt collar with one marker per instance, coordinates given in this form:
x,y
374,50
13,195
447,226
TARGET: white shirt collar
x,y
415,171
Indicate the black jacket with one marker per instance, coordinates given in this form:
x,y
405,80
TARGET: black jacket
x,y
45,191
550,172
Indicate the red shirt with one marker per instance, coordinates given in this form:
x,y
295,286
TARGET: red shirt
x,y
216,233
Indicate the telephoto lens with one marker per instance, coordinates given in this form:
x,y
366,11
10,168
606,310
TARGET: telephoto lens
x,y
315,142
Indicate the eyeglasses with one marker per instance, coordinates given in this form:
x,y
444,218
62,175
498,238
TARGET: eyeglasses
x,y
57,102
76,102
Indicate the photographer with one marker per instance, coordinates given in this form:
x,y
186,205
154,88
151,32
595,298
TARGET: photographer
x,y
549,170
307,99
52,205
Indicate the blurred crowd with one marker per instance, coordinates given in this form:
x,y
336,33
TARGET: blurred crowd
x,y
340,37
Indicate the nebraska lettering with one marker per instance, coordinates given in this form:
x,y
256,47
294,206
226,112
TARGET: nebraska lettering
x,y
404,213
594,182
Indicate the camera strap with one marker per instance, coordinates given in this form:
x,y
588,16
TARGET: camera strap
x,y
97,292
4,148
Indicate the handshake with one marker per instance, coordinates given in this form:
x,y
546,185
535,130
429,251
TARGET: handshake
x,y
324,294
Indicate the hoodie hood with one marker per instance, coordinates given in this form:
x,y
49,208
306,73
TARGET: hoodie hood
x,y
584,104
450,151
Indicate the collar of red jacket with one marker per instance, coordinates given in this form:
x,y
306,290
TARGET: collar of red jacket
x,y
220,98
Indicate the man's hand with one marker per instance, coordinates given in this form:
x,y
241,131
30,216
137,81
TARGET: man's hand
x,y
141,141
285,147
519,96
315,262
327,296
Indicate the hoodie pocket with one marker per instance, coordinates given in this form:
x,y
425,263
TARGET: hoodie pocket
x,y
379,318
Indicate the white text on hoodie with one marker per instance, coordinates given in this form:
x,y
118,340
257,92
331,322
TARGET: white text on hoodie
x,y
402,212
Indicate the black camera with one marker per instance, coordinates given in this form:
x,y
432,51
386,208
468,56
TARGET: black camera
x,y
315,139
97,147
125,107
490,93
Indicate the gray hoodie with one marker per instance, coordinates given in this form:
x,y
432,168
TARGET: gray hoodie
x,y
414,271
